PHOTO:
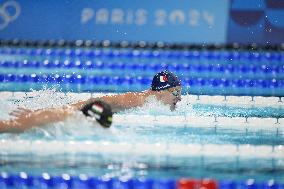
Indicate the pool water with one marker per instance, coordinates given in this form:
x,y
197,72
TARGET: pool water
x,y
149,141
236,133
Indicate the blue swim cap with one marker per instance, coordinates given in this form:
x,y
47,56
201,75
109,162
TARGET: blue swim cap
x,y
164,80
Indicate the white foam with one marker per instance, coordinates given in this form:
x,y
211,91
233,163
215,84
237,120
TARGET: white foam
x,y
79,96
155,113
19,95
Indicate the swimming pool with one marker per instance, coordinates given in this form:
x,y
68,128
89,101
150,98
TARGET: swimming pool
x,y
224,136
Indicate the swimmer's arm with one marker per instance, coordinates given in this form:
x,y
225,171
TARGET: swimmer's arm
x,y
35,119
117,102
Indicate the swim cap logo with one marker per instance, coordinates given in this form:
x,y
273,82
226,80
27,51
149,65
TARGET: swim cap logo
x,y
163,78
97,109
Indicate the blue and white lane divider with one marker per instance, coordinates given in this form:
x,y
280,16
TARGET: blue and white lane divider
x,y
266,83
135,53
46,148
83,181
261,69
250,124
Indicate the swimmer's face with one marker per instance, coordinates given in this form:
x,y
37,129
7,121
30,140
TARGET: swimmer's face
x,y
170,96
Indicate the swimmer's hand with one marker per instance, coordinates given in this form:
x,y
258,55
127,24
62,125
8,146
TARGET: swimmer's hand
x,y
20,112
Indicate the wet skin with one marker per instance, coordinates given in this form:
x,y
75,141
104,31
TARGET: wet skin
x,y
170,96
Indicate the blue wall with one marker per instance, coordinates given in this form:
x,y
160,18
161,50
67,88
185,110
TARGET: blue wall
x,y
256,21
190,21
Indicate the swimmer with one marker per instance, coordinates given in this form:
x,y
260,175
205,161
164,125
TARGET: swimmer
x,y
96,111
165,87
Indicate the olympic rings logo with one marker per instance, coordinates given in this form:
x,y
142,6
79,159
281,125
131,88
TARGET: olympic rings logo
x,y
9,12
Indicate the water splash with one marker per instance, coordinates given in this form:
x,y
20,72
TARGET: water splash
x,y
155,107
79,128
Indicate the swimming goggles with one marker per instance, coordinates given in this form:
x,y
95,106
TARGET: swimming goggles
x,y
176,93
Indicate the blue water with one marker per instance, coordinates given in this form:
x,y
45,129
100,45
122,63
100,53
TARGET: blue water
x,y
206,72
112,70
154,166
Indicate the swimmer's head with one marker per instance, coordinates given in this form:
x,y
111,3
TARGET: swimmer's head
x,y
167,87
99,110
164,80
